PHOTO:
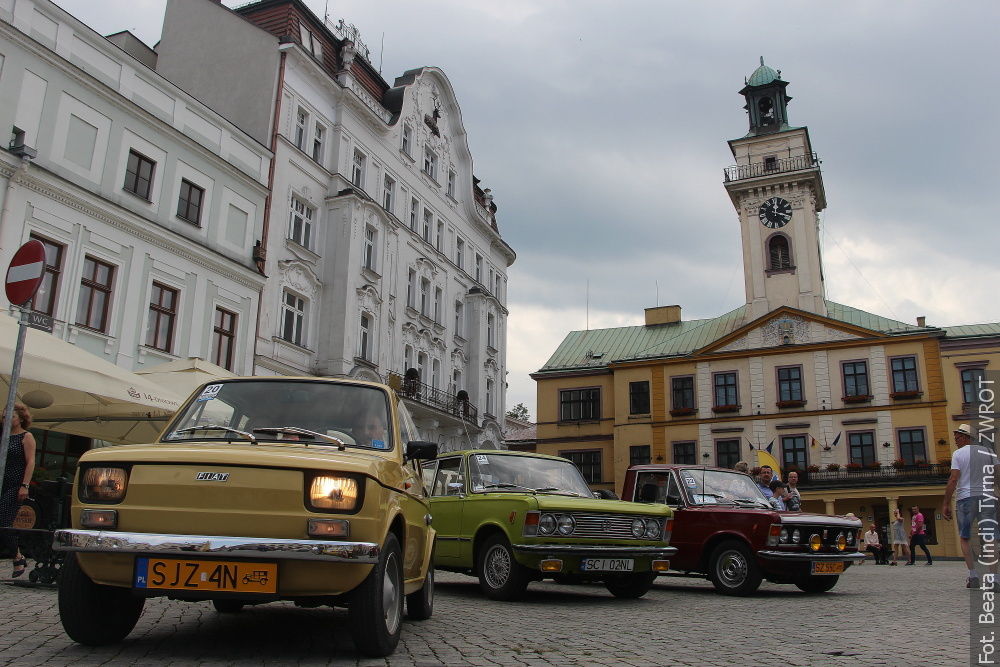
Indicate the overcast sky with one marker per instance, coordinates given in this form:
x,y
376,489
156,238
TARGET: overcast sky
x,y
601,129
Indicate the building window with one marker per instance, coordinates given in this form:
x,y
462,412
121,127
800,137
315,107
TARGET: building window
x,y
460,253
856,378
781,257
912,445
589,464
790,383
425,288
189,202
319,137
44,300
162,314
414,212
407,144
862,447
301,123
407,358
725,389
428,220
579,404
300,226
793,452
430,163
727,453
459,319
358,170
904,374
638,397
639,455
770,163
438,295
364,344
451,183
224,338
971,377
309,41
369,257
435,374
439,239
139,175
490,333
479,269
682,392
411,288
388,193
293,316
95,295
489,397
683,453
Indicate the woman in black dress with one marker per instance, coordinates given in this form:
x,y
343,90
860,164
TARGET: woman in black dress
x,y
16,479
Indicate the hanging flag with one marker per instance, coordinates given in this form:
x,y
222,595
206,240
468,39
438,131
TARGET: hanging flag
x,y
836,440
770,446
749,443
813,441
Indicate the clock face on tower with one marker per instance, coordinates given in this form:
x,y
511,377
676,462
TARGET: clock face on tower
x,y
775,212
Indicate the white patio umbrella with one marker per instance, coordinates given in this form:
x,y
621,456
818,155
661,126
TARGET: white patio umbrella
x,y
70,390
183,376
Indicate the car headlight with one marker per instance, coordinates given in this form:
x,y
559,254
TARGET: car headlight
x,y
105,485
652,529
330,492
850,537
547,524
796,536
783,536
841,542
566,525
638,528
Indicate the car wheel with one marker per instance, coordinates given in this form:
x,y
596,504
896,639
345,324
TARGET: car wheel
x,y
93,614
375,612
420,605
227,606
630,586
733,570
817,584
500,576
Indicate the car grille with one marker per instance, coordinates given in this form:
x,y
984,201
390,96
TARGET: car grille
x,y
608,526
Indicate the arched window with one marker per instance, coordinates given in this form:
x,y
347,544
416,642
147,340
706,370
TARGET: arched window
x,y
778,250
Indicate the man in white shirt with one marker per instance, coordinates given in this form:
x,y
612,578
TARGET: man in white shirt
x,y
970,501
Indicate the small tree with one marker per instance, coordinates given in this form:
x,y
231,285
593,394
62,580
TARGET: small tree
x,y
519,412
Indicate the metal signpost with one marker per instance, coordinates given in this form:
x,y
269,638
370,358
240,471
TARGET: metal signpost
x,y
24,277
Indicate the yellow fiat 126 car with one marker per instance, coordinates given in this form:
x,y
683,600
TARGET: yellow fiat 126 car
x,y
260,489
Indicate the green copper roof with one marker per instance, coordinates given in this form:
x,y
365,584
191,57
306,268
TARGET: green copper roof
x,y
973,330
762,75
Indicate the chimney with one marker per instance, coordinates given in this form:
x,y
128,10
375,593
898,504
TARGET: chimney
x,y
663,315
922,321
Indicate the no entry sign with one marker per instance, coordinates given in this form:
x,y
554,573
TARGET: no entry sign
x,y
25,273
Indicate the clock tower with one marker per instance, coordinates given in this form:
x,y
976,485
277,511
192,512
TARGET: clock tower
x,y
777,189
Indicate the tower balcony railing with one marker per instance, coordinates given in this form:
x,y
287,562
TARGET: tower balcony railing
x,y
740,172
415,390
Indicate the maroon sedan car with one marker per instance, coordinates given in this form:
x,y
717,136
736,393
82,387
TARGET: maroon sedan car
x,y
726,530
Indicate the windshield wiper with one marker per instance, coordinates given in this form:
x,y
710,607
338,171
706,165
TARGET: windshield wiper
x,y
295,430
751,501
217,427
550,489
507,485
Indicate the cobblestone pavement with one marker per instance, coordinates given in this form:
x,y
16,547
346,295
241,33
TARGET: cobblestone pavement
x,y
877,615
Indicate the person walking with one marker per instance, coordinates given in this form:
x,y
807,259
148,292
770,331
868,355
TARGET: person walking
x,y
899,541
16,480
918,536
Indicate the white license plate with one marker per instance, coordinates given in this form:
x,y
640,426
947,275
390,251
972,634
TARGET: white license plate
x,y
607,565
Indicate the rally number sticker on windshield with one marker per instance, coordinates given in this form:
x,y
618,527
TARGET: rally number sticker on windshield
x,y
209,392
481,458
690,481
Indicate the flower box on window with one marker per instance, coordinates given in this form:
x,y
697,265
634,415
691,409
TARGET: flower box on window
x,y
902,395
854,465
898,464
833,467
874,465
683,412
857,398
813,467
790,404
726,408
923,464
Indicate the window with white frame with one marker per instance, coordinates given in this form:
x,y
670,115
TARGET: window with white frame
x,y
479,269
428,221
407,358
451,183
421,365
364,343
309,41
456,380
490,330
430,163
414,213
301,127
293,318
435,374
300,226
460,253
425,288
388,193
489,397
370,243
439,239
411,288
459,318
438,295
358,169
319,139
489,285
407,145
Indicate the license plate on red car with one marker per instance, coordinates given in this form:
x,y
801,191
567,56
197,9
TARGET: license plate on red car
x,y
193,574
607,565
826,567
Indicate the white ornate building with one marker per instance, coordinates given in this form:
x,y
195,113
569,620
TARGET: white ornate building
x,y
381,250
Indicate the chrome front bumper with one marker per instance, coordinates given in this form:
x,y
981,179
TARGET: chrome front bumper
x,y
852,557
99,541
595,551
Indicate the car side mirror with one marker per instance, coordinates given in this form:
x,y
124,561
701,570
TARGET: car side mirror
x,y
419,450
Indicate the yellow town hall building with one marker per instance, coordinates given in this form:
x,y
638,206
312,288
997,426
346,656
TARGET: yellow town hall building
x,y
861,405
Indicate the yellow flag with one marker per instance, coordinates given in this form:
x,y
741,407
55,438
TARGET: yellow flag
x,y
765,459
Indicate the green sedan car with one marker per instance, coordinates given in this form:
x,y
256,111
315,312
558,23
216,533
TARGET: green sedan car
x,y
511,518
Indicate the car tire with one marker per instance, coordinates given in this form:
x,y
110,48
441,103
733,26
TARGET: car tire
x,y
228,606
420,605
375,612
629,586
733,569
501,577
93,614
817,584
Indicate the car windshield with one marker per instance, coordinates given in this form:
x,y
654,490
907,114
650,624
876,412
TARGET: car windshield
x,y
496,472
720,487
271,410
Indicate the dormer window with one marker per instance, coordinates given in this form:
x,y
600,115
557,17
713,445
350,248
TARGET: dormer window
x,y
430,163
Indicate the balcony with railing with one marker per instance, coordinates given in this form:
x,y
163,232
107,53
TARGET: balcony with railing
x,y
454,405
768,167
908,475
